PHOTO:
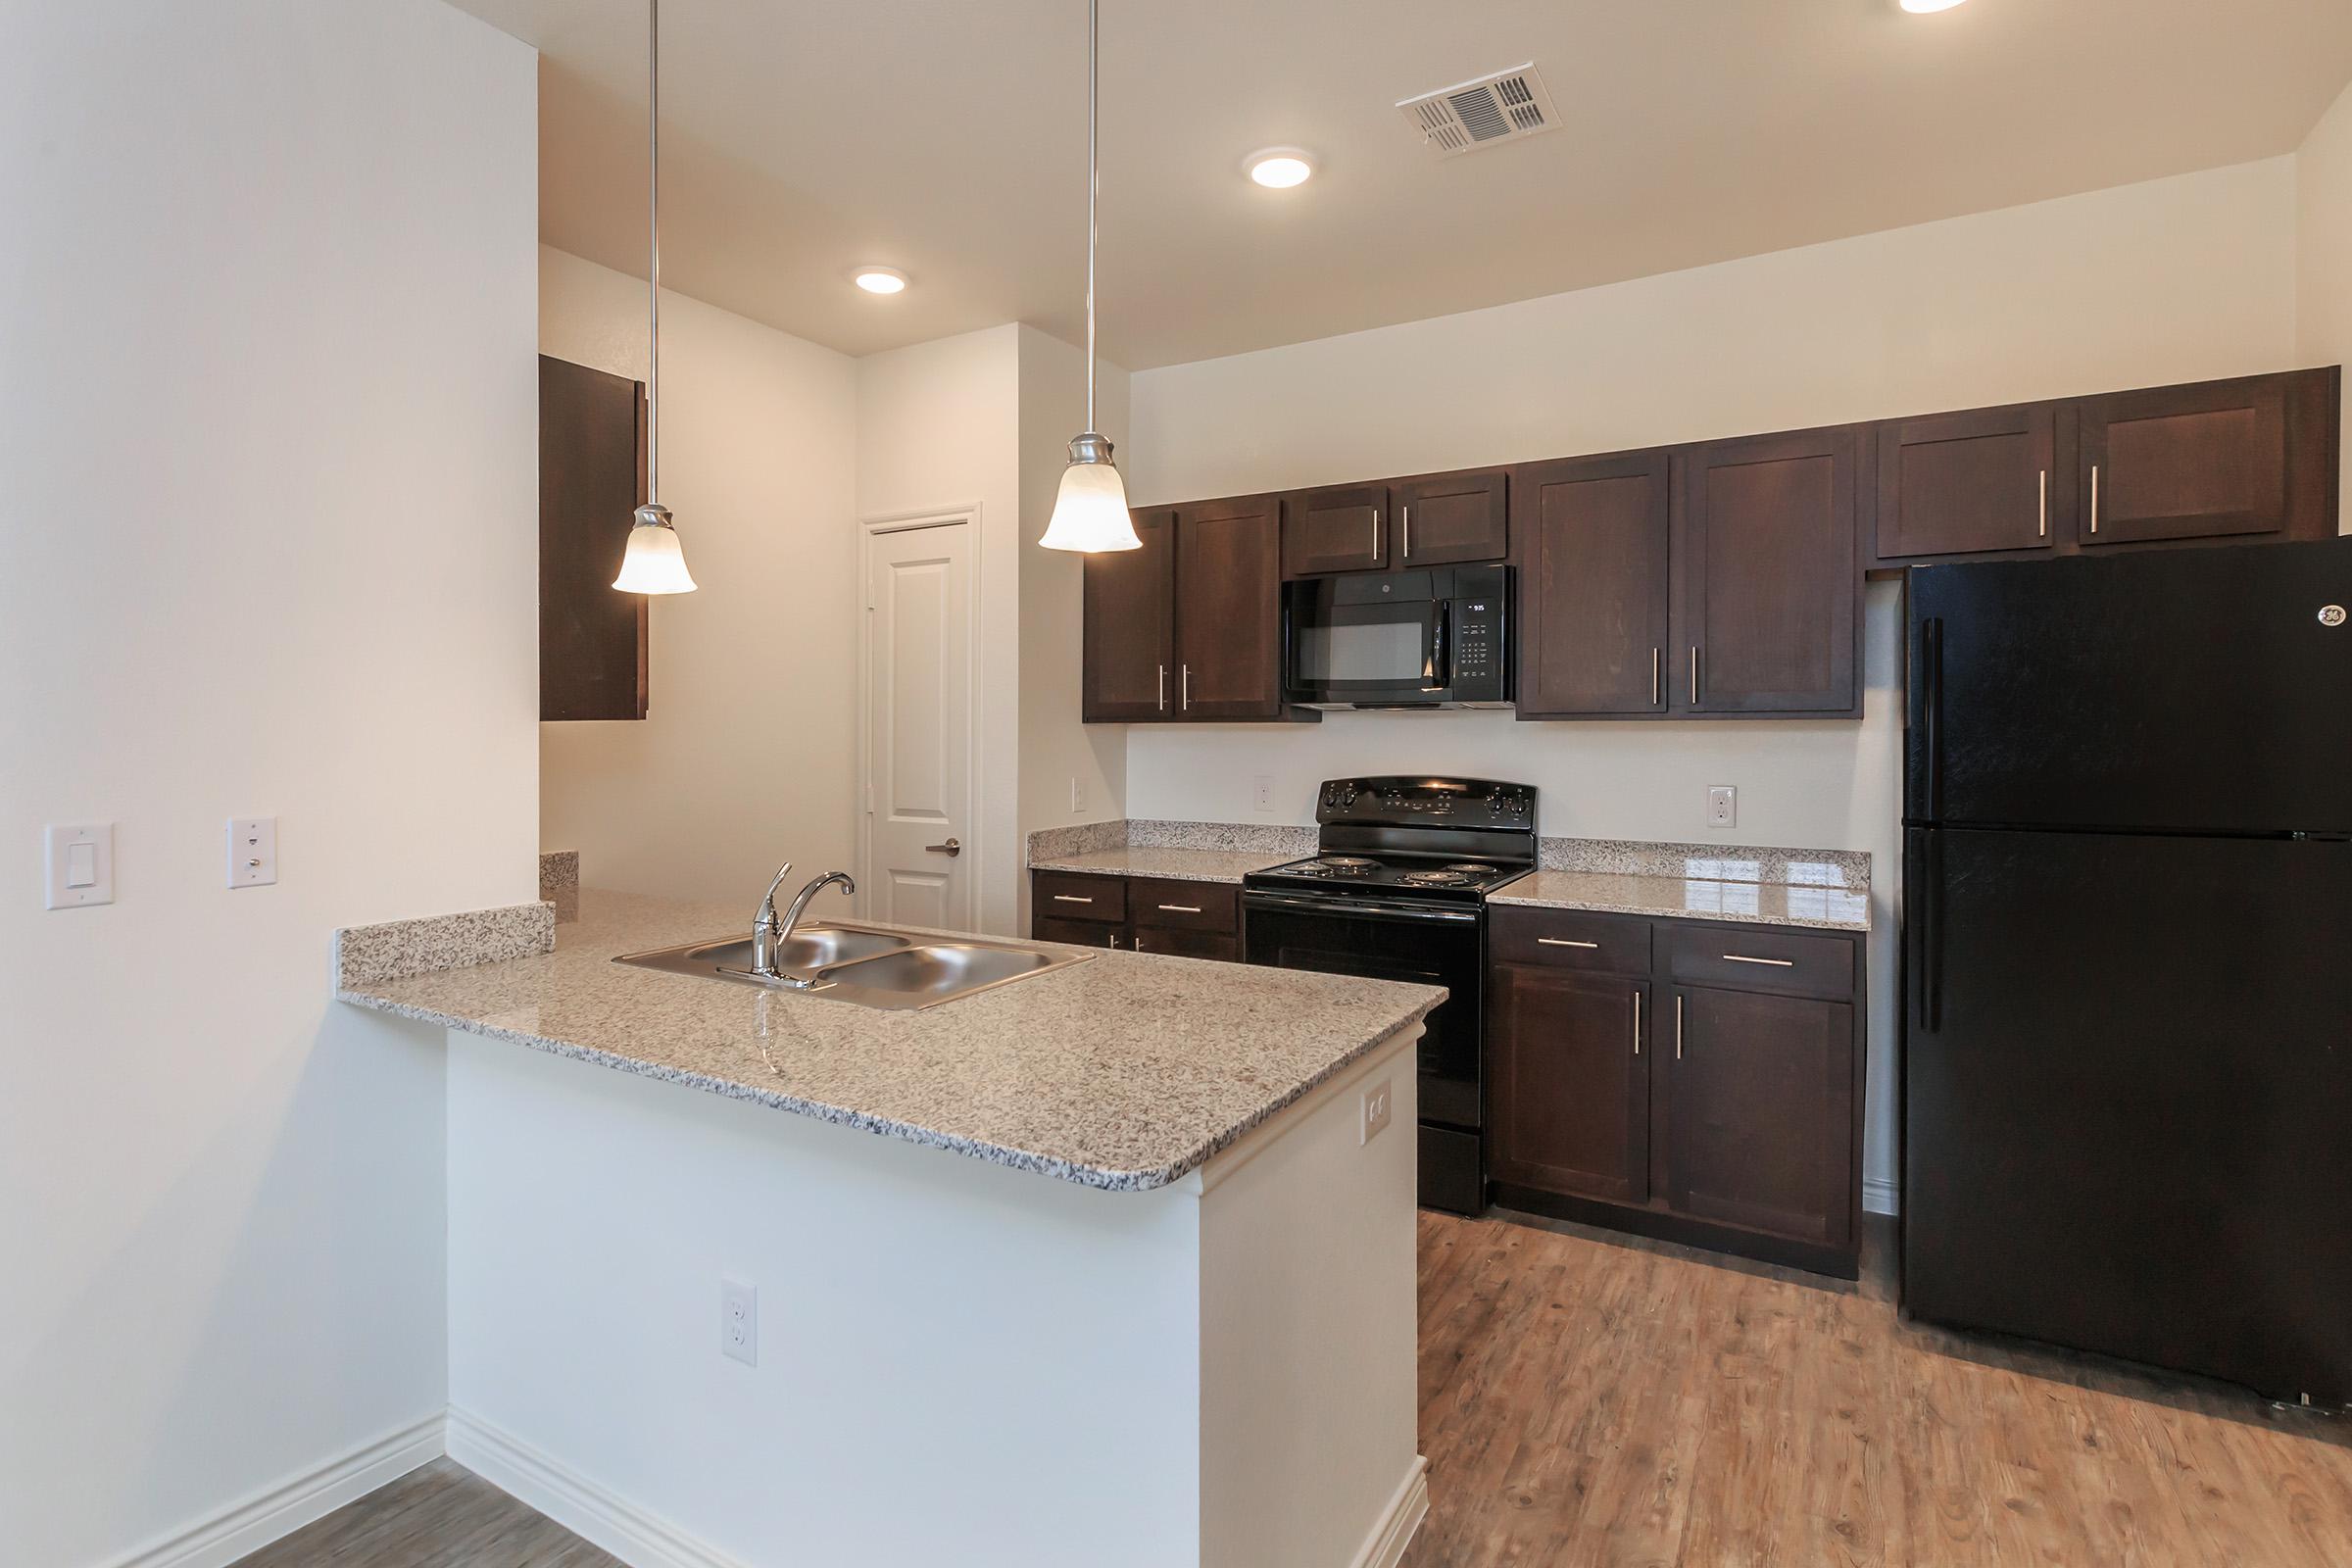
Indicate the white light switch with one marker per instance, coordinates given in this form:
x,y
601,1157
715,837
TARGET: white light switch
x,y
81,866
252,852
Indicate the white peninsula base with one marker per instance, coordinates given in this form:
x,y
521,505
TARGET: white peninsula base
x,y
958,1362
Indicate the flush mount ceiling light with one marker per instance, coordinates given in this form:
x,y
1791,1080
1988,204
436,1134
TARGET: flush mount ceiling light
x,y
1922,8
1280,168
880,280
1090,512
655,563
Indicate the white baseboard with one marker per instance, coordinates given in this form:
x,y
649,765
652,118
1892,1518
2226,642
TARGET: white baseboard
x,y
269,1515
1385,1547
1881,1196
572,1501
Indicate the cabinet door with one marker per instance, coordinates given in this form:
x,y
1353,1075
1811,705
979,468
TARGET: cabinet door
x,y
2206,461
1184,944
1344,528
1968,484
1593,553
1077,933
1770,579
1450,518
592,640
1228,610
1571,1092
1760,1112
1130,618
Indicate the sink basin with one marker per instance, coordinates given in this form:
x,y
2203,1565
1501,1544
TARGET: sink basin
x,y
884,969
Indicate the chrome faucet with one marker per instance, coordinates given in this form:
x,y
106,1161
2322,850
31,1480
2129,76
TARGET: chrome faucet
x,y
770,934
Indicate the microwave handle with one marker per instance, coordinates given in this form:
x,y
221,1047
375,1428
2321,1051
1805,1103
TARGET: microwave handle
x,y
1436,673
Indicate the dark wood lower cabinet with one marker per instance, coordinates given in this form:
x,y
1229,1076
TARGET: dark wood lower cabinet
x,y
1136,914
1714,1114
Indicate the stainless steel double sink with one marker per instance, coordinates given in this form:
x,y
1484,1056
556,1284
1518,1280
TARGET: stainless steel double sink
x,y
887,970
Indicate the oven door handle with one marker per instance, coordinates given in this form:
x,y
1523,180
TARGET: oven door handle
x,y
1349,910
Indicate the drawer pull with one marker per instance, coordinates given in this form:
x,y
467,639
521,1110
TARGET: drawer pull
x,y
1071,897
1182,908
1777,964
1563,942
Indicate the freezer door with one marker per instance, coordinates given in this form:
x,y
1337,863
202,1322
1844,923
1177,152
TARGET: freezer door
x,y
2128,1081
2205,691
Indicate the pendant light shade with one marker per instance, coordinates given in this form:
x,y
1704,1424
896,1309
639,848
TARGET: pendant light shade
x,y
1090,512
655,562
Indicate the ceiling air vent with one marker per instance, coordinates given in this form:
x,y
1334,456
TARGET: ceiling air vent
x,y
1507,106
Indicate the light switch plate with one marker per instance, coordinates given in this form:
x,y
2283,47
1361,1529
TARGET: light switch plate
x,y
252,852
81,864
1723,806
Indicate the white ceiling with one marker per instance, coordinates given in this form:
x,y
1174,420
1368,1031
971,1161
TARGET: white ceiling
x,y
945,138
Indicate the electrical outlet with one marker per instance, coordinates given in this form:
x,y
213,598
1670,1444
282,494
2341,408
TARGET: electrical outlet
x,y
1264,783
1077,794
1723,806
1376,1110
739,1322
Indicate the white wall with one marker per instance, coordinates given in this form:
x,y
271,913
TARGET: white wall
x,y
268,425
746,757
1056,750
2175,281
2324,204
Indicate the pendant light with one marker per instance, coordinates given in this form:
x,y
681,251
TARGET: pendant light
x,y
655,562
1090,512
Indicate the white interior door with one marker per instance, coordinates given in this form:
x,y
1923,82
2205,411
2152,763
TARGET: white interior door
x,y
918,726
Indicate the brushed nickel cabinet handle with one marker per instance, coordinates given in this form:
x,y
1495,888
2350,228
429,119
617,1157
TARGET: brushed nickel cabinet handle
x,y
1777,964
1182,908
1677,1028
1658,676
2094,498
1637,1023
1563,942
1114,939
1375,533
1186,682
1163,688
1695,674
1135,942
2044,530
1409,533
1071,897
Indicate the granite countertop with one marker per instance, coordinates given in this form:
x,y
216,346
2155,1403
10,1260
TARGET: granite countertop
x,y
1822,907
1162,860
1125,1072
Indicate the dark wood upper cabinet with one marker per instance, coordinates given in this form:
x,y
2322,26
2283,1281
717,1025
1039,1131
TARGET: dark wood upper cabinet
x,y
1770,582
1992,481
1227,610
1571,1091
1344,528
2216,460
1591,541
591,637
1445,519
1759,1112
1130,626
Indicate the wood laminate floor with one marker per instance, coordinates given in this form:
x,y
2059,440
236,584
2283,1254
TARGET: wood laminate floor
x,y
1595,1402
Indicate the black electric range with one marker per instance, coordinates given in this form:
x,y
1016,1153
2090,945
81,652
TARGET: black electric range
x,y
1396,891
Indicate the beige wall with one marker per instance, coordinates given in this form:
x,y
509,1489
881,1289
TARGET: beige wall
x,y
2324,305
2174,280
267,425
744,758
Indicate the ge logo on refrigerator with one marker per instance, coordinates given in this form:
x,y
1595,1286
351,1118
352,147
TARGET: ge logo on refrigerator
x,y
2331,614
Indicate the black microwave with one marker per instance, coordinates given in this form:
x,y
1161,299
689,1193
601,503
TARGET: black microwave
x,y
1399,639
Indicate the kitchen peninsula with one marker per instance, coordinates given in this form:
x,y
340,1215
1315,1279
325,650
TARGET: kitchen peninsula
x,y
1124,1277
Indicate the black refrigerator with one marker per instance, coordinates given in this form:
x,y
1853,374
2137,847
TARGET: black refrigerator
x,y
2128,958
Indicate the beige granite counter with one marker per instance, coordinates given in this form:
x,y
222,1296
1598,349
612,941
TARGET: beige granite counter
x,y
1176,864
1822,907
1125,1072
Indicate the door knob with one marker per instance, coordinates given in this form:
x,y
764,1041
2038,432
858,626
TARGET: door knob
x,y
950,848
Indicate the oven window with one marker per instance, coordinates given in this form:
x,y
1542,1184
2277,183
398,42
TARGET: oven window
x,y
1385,650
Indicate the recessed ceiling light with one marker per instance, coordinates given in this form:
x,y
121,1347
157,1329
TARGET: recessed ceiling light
x,y
879,279
1280,168
1921,8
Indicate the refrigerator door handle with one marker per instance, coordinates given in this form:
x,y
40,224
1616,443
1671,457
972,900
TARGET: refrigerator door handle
x,y
1931,652
1931,937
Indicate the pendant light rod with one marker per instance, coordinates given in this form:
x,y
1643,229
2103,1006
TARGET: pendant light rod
x,y
652,215
1093,186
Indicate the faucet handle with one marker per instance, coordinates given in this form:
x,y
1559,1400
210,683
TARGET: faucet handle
x,y
768,904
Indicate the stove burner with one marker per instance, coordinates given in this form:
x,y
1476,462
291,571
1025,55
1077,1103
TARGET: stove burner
x,y
1435,879
1471,868
1345,862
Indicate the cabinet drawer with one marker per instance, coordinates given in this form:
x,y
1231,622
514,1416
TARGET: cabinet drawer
x,y
1077,933
1181,944
1063,896
1570,939
1762,960
1176,906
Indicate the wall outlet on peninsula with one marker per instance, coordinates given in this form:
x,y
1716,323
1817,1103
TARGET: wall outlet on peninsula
x,y
1376,1111
739,1321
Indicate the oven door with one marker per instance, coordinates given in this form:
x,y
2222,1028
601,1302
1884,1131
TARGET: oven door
x,y
1368,641
1433,946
